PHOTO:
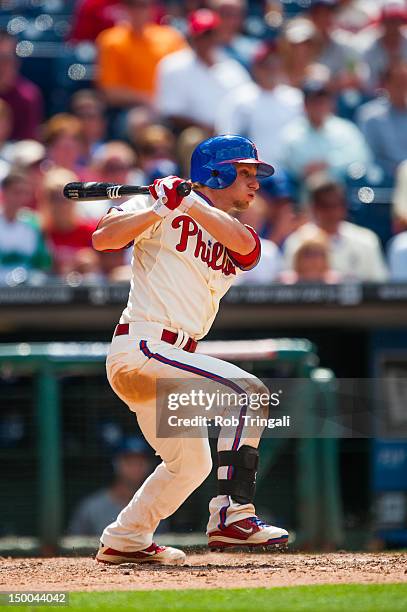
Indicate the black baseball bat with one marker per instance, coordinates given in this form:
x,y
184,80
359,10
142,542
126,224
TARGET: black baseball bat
x,y
111,191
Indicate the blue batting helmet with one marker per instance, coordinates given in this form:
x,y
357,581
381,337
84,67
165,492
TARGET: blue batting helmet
x,y
212,162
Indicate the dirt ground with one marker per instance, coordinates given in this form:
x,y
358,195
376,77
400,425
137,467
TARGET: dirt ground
x,y
208,570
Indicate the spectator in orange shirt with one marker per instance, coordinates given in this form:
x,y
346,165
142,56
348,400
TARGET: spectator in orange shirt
x,y
129,53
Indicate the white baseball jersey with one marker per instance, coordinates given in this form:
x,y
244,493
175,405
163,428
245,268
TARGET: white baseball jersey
x,y
180,272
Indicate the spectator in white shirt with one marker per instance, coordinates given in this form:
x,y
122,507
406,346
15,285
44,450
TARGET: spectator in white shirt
x,y
355,252
261,110
321,141
192,82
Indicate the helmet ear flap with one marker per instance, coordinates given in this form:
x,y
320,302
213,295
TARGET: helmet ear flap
x,y
222,176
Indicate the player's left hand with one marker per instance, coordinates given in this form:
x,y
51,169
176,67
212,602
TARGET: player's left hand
x,y
164,191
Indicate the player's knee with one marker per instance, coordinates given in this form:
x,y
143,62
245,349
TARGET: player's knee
x,y
256,386
259,397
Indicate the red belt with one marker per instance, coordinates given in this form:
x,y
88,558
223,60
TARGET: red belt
x,y
122,329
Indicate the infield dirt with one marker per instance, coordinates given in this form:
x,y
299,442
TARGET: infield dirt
x,y
207,570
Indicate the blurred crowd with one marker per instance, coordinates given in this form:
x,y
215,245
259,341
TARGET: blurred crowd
x,y
122,91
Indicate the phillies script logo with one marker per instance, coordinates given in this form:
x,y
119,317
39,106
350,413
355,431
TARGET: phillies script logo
x,y
215,256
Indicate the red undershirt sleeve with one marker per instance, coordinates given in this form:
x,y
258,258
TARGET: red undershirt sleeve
x,y
250,260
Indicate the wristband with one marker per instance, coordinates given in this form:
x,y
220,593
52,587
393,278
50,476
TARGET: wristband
x,y
160,208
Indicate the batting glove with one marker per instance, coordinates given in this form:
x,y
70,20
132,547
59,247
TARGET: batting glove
x,y
167,199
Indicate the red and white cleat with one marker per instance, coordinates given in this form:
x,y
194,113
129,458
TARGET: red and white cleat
x,y
247,532
166,555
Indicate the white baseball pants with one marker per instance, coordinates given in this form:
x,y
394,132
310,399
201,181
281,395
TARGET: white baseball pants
x,y
134,363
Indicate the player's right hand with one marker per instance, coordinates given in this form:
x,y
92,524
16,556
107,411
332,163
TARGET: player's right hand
x,y
164,191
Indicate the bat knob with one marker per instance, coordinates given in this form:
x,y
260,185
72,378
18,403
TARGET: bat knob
x,y
184,189
71,190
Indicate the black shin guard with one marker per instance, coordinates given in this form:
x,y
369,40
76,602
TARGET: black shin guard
x,y
241,487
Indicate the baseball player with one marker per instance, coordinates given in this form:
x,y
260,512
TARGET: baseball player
x,y
186,254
